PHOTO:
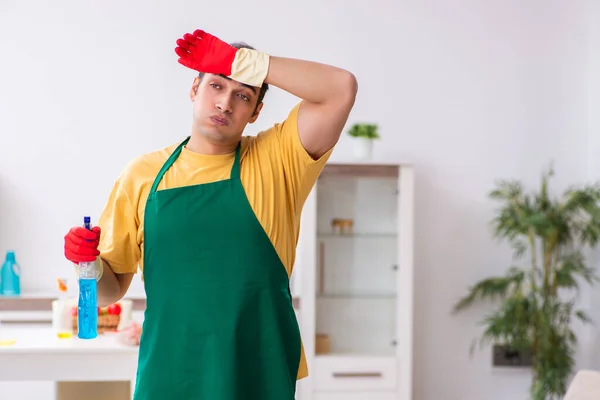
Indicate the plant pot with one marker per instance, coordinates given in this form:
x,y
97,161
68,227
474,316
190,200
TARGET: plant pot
x,y
363,148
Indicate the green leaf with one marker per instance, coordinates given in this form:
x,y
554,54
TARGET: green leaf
x,y
492,288
583,316
520,248
571,267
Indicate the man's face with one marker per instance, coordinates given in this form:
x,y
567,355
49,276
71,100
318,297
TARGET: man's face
x,y
223,107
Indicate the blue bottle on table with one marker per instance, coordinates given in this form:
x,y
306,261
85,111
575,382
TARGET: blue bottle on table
x,y
10,276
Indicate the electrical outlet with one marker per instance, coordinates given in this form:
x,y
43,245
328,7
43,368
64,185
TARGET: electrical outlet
x,y
506,357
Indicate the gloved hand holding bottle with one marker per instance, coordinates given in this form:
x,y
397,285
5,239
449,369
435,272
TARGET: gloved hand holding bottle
x,y
81,245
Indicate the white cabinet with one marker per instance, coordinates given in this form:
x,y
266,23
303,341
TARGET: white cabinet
x,y
356,271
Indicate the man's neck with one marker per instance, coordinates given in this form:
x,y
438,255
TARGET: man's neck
x,y
201,144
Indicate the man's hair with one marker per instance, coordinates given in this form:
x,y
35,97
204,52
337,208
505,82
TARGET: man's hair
x,y
264,87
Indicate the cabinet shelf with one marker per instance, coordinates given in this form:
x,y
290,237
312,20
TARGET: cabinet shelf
x,y
356,296
357,235
347,355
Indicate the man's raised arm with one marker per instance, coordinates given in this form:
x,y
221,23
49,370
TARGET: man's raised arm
x,y
328,95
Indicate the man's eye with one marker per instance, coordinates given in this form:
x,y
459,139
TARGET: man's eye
x,y
244,97
215,86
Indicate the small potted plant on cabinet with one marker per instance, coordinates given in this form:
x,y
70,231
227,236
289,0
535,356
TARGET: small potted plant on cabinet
x,y
363,136
537,301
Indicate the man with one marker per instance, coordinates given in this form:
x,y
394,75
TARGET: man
x,y
213,224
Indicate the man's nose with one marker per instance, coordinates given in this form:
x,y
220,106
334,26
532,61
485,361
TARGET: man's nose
x,y
224,103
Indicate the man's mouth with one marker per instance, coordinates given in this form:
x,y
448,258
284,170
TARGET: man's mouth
x,y
219,121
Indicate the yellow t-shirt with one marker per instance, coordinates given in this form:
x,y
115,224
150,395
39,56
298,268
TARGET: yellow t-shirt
x,y
276,172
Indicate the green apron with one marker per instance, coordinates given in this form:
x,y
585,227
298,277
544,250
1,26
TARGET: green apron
x,y
219,322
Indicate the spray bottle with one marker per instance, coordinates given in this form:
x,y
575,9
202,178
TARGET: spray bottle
x,y
87,310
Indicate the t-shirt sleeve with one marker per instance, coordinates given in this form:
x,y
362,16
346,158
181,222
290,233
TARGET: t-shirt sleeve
x,y
300,168
119,227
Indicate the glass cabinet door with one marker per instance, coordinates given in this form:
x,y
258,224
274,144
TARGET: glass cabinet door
x,y
356,276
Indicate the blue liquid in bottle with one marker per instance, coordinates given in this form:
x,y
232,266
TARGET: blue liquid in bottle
x,y
87,313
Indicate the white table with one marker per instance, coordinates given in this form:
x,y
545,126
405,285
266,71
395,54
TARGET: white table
x,y
39,355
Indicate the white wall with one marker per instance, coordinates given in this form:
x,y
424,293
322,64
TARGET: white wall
x,y
471,91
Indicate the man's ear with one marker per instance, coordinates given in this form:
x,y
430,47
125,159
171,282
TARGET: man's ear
x,y
194,88
256,113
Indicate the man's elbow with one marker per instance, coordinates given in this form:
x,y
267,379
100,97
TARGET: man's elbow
x,y
348,88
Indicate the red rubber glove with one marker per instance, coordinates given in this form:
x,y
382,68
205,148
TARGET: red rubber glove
x,y
204,52
81,245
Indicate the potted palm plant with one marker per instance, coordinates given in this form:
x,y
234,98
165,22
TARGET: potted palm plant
x,y
363,136
537,299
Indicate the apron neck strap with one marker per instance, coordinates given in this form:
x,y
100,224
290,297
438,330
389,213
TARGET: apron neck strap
x,y
235,169
168,164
